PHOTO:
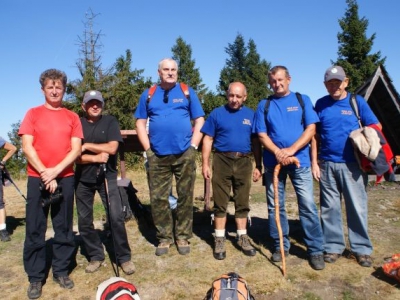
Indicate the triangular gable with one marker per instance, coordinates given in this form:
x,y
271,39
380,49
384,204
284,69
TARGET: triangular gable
x,y
384,101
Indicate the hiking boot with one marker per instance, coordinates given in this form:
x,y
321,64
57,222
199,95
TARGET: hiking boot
x,y
277,257
364,260
244,243
219,248
162,248
317,261
183,247
128,267
331,257
93,266
64,281
4,235
34,290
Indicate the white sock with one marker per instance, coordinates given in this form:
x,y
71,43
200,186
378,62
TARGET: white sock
x,y
2,226
219,232
241,232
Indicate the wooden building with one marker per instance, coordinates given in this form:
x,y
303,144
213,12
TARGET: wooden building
x,y
384,101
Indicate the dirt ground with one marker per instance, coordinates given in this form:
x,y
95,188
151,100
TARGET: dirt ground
x,y
189,277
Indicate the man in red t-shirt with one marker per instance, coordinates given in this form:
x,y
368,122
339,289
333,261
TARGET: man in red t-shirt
x,y
51,141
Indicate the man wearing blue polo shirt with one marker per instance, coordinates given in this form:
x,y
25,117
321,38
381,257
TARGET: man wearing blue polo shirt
x,y
171,149
338,173
229,128
284,132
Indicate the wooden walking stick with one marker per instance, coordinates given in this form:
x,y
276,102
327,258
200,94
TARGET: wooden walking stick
x,y
291,160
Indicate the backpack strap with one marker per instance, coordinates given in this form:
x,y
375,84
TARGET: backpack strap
x,y
354,107
266,107
151,93
184,88
299,98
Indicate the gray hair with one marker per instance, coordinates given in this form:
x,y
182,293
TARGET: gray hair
x,y
167,59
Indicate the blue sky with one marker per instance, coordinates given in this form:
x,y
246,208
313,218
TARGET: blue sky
x,y
302,35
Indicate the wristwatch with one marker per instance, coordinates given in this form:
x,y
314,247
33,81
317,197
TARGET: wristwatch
x,y
3,163
194,146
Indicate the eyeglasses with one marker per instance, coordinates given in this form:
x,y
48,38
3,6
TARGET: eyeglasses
x,y
165,99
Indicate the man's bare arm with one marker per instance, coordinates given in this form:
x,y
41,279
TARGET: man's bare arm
x,y
197,135
205,153
142,133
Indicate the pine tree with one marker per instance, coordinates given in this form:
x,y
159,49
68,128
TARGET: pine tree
x,y
256,76
187,72
354,48
125,88
245,65
235,64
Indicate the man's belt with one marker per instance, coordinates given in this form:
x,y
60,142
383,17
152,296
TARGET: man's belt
x,y
235,154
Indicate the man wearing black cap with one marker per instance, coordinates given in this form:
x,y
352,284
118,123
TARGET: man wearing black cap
x,y
338,172
100,144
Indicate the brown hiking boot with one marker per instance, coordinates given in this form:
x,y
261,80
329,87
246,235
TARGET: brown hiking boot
x,y
64,281
219,248
244,243
128,267
34,290
93,266
183,247
162,248
331,257
364,260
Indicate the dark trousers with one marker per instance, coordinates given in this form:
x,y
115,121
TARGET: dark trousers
x,y
34,254
231,174
84,193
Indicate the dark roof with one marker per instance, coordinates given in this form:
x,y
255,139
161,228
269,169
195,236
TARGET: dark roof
x,y
384,101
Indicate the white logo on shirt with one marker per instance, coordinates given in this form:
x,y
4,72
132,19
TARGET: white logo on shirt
x,y
179,100
292,108
246,122
346,112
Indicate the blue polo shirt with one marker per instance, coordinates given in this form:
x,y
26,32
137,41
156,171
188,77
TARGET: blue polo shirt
x,y
231,129
284,125
170,114
337,121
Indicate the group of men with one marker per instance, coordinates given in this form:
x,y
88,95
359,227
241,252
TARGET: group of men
x,y
286,125
170,126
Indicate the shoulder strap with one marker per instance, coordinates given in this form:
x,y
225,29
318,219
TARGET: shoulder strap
x,y
266,107
184,88
300,99
151,93
354,106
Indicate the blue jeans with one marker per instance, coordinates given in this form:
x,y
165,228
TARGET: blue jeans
x,y
303,185
347,180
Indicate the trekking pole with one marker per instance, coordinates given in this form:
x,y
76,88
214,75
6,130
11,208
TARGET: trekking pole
x,y
115,268
293,160
7,176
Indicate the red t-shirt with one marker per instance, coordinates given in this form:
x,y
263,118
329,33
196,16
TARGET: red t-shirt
x,y
52,131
